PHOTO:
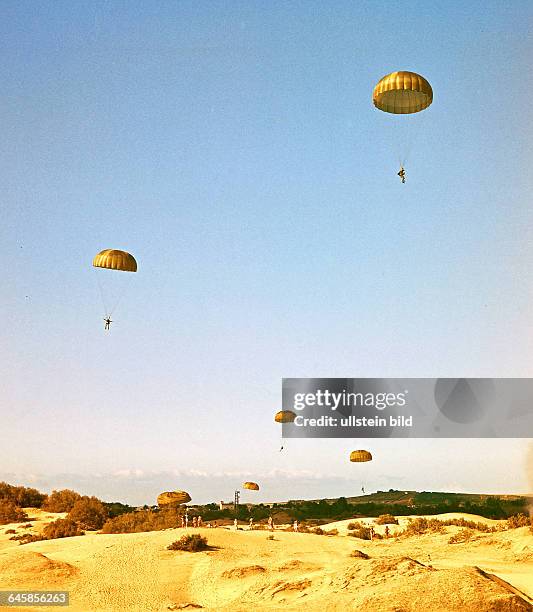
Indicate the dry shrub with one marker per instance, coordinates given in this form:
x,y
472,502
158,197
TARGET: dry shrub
x,y
89,513
355,525
386,519
24,497
62,528
461,522
519,520
144,520
270,537
11,513
190,543
61,501
464,535
423,525
27,538
359,554
361,532
10,531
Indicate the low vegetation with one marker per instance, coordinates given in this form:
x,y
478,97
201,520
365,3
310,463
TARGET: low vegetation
x,y
62,528
386,519
190,543
10,512
143,520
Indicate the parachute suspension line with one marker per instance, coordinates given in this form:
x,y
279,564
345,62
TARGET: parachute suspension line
x,y
100,289
118,300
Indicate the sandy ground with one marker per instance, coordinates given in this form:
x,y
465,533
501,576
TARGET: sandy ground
x,y
246,571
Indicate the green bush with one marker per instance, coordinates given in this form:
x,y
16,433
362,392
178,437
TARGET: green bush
x,y
190,543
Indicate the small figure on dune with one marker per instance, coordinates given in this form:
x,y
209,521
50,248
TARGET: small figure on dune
x,y
295,526
108,322
251,522
235,524
271,523
182,520
401,174
194,522
199,521
372,532
387,531
186,520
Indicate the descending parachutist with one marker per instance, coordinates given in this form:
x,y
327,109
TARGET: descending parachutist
x,y
108,322
281,449
401,174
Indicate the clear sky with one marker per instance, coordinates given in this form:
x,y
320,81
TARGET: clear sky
x,y
233,148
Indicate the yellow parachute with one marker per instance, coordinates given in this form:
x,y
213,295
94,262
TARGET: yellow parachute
x,y
252,486
174,498
360,456
115,260
402,93
285,416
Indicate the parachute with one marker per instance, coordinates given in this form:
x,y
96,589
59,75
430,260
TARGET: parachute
x,y
403,93
285,416
115,260
252,486
360,456
115,286
174,498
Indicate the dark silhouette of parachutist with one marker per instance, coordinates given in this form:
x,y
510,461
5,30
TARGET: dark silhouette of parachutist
x,y
108,322
401,174
281,449
363,490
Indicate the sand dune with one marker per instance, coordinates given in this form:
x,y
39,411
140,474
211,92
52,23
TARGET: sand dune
x,y
246,571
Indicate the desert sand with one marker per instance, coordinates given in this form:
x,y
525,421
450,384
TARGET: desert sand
x,y
244,570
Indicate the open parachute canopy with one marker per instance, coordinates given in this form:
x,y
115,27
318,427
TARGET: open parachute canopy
x,y
402,93
252,486
113,259
285,416
173,497
360,456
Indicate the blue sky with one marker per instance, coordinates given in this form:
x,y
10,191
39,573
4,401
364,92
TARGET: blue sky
x,y
233,149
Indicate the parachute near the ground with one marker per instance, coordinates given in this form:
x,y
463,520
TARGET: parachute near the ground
x,y
252,486
113,285
113,259
360,456
174,498
403,93
285,416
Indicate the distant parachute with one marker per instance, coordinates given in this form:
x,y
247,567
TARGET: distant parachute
x,y
252,486
112,286
113,259
360,456
285,416
174,498
403,93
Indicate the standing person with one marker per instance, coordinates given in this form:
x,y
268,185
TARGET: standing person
x,y
186,520
199,521
182,520
235,524
295,526
194,521
387,531
271,523
372,532
251,523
